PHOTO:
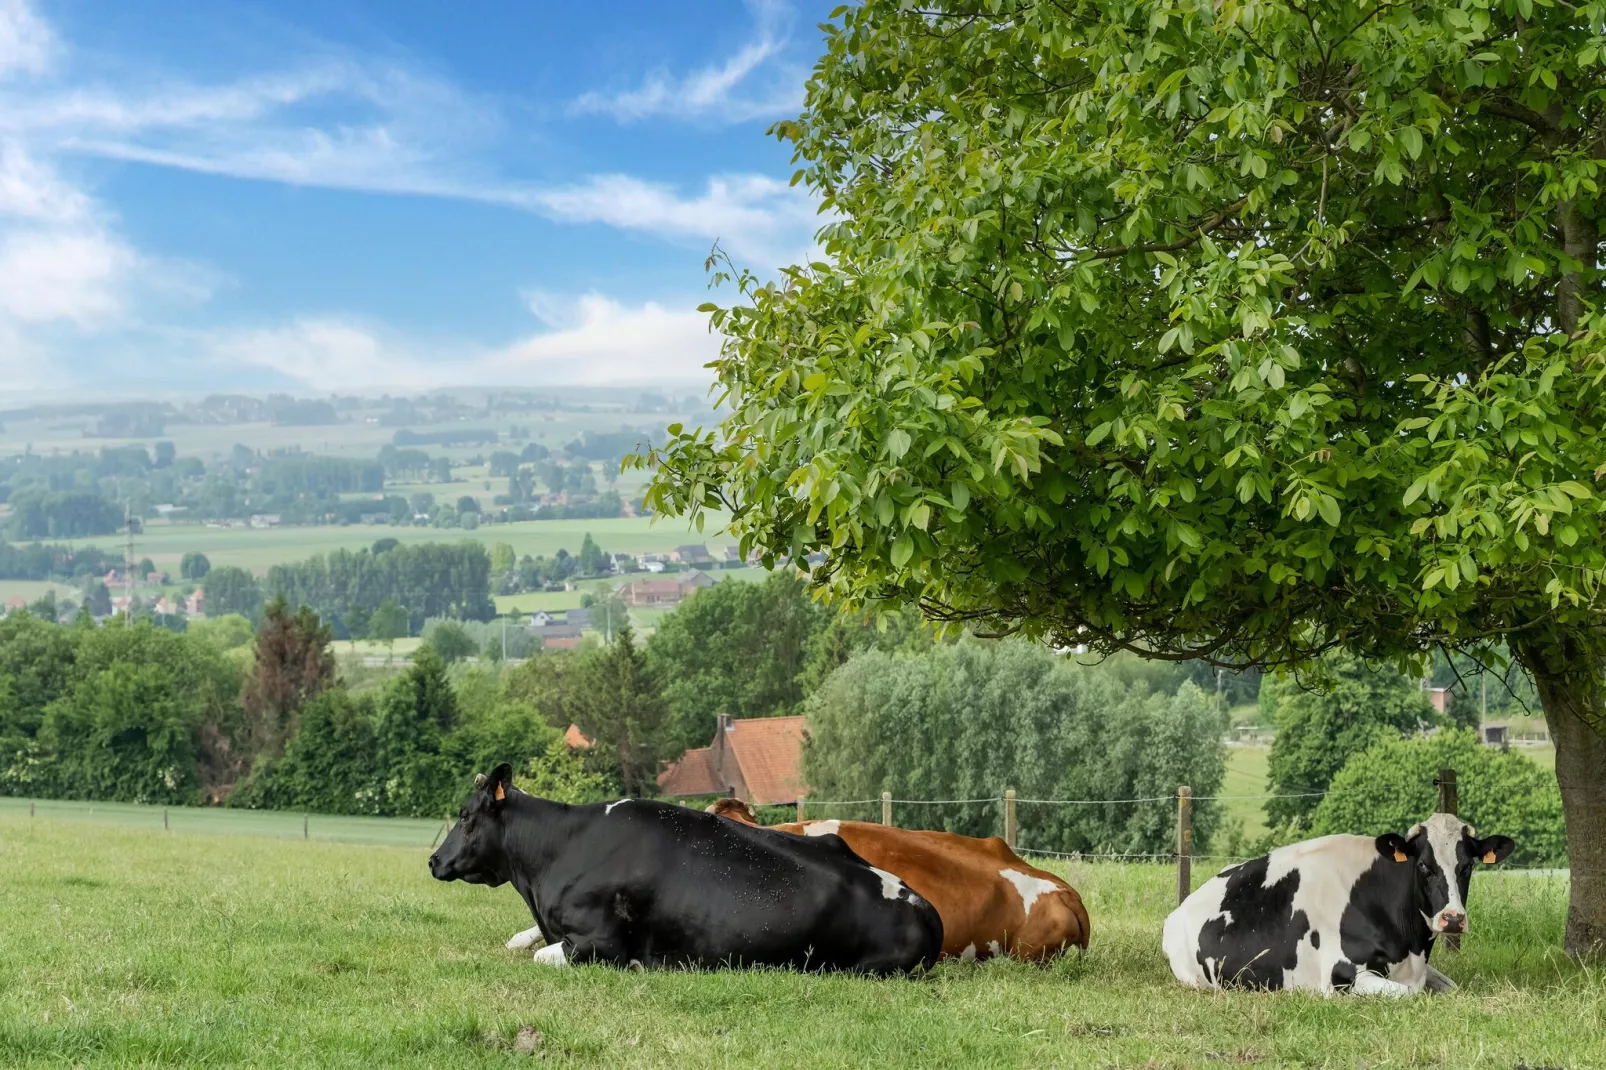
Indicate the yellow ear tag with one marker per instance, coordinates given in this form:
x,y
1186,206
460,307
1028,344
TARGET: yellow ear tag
x,y
1489,859
1399,855
500,794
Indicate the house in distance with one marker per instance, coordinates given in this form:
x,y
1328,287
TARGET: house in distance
x,y
756,759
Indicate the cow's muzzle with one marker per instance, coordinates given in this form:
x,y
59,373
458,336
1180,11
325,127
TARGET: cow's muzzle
x,y
1451,921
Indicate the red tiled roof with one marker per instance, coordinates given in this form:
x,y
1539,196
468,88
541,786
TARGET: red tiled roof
x,y
561,642
694,774
770,752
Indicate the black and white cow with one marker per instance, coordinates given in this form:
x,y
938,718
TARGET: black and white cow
x,y
1335,914
633,882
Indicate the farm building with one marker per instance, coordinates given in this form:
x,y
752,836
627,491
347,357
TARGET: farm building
x,y
668,591
756,759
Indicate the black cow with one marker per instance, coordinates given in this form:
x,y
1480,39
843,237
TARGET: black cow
x,y
634,882
1335,914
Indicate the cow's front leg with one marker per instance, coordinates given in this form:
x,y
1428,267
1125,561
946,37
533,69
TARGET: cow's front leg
x,y
1437,982
527,939
552,955
1372,984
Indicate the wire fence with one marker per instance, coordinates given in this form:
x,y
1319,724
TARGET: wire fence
x,y
1182,855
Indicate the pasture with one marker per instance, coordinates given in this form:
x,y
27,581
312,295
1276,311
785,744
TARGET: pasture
x,y
258,548
125,945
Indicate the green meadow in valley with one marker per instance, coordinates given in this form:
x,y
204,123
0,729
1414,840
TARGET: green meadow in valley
x,y
130,946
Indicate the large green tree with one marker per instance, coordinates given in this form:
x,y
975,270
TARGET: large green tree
x,y
736,648
1241,331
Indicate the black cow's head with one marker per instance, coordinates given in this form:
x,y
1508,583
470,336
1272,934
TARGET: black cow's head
x,y
1442,851
473,850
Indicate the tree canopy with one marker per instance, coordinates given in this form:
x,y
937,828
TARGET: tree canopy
x,y
1222,330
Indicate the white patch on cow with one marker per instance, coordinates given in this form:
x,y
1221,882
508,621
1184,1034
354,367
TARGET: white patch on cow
x,y
1444,832
552,955
994,948
1028,887
822,828
606,810
969,954
527,939
891,886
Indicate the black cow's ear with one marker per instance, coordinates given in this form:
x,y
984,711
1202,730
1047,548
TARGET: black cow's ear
x,y
1494,849
501,782
1393,845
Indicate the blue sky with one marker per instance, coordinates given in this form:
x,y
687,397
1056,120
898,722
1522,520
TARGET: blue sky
x,y
220,195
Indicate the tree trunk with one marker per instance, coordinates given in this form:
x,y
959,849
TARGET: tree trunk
x,y
1573,708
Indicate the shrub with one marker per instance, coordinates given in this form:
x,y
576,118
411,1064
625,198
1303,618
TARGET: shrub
x,y
1389,787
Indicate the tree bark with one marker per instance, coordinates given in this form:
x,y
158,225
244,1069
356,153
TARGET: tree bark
x,y
1573,708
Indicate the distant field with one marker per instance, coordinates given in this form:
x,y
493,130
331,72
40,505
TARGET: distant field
x,y
33,590
133,946
402,649
348,439
1246,775
256,549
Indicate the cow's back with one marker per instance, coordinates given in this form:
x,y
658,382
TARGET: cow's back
x,y
694,890
991,901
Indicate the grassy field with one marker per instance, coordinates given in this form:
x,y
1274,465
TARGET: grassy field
x,y
351,438
257,548
1246,775
32,590
131,946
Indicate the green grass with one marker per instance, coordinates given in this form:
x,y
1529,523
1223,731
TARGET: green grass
x,y
257,548
32,590
131,946
1246,775
401,649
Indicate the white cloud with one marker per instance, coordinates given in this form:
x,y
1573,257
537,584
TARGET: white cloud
x,y
596,339
752,215
588,339
48,276
711,93
26,43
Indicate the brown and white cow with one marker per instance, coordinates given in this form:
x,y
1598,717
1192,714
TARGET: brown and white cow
x,y
991,902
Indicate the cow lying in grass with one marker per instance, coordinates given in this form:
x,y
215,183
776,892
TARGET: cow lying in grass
x,y
632,882
991,902
1335,914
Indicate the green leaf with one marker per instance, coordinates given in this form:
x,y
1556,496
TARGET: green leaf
x,y
902,550
897,443
1329,509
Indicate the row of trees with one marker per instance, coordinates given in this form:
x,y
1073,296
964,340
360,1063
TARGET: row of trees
x,y
347,587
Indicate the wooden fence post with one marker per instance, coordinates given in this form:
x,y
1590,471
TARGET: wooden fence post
x,y
1449,803
1184,843
305,834
30,807
164,817
1009,818
886,808
800,799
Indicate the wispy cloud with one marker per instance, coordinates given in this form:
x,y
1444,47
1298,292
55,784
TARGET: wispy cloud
x,y
586,339
399,133
26,43
722,92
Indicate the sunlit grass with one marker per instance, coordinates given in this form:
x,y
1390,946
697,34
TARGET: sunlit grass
x,y
124,946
